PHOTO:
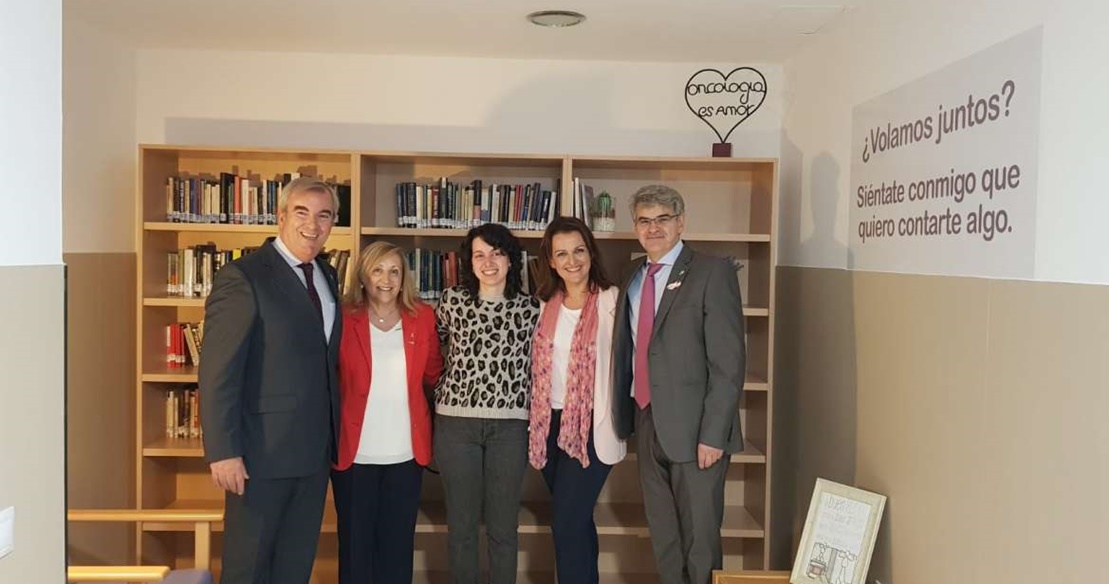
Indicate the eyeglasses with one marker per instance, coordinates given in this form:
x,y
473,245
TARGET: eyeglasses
x,y
663,221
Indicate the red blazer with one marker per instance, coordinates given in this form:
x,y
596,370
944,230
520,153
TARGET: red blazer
x,y
425,363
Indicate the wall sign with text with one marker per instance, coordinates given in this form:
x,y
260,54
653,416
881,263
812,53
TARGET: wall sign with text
x,y
725,101
944,169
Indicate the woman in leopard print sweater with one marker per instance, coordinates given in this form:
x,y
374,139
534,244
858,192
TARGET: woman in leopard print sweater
x,y
481,404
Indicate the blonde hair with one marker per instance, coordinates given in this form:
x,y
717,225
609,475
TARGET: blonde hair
x,y
372,255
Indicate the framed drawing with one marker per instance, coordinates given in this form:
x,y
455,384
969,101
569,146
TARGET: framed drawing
x,y
839,535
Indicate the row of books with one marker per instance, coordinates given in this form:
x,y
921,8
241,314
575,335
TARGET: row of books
x,y
192,270
183,413
235,199
434,271
245,200
183,343
450,205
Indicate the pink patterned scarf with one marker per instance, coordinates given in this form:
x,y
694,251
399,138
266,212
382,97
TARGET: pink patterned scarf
x,y
577,413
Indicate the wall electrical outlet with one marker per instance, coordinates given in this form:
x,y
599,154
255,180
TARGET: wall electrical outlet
x,y
7,531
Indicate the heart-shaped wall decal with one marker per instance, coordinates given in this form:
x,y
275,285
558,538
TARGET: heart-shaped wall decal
x,y
724,101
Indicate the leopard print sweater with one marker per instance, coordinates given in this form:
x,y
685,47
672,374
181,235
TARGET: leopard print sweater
x,y
488,362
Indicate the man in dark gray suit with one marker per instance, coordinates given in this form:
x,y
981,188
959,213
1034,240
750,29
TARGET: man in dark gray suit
x,y
269,399
678,373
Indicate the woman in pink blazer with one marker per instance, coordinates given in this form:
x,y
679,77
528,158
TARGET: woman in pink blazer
x,y
573,441
388,358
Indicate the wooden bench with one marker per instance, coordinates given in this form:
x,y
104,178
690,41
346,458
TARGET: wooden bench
x,y
202,520
750,577
116,573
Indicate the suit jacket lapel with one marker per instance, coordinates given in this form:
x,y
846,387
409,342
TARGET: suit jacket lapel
x,y
677,274
332,282
623,309
286,280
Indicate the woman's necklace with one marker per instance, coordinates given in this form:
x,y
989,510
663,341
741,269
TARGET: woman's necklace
x,y
380,317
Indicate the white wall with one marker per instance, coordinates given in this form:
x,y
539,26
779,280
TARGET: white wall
x,y
99,153
32,350
887,44
434,104
30,131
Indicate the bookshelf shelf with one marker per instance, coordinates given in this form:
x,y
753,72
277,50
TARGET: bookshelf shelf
x,y
174,448
530,576
535,518
225,228
750,455
756,383
185,375
731,212
173,301
533,234
438,232
692,236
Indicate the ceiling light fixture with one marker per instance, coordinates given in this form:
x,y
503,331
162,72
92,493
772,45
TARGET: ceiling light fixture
x,y
556,18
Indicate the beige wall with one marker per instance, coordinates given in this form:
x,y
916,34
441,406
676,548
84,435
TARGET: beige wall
x,y
814,396
393,102
100,400
979,407
98,154
32,436
98,172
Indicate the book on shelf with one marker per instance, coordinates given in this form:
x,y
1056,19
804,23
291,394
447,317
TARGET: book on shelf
x,y
535,273
233,199
192,270
450,205
432,271
584,202
339,259
183,344
182,413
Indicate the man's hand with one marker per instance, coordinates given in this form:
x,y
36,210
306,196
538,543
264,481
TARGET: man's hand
x,y
230,475
707,456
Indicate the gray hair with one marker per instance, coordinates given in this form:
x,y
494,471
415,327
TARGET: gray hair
x,y
660,195
307,184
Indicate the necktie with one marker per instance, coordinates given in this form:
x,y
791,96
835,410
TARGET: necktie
x,y
312,294
645,326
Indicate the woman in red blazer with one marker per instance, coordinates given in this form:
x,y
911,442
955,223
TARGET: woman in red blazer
x,y
389,357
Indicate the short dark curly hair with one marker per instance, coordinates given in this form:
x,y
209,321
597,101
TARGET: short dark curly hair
x,y
499,237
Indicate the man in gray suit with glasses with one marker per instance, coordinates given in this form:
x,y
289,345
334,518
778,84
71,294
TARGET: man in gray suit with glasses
x,y
678,375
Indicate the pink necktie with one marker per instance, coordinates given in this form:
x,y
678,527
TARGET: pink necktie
x,y
645,325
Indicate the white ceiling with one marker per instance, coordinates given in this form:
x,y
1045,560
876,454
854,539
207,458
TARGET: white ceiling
x,y
615,30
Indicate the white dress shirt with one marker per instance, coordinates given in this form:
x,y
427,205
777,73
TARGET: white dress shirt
x,y
636,286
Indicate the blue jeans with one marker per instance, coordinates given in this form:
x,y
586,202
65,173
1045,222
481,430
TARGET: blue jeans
x,y
574,492
482,464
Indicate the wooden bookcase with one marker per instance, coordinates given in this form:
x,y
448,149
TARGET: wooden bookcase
x,y
731,211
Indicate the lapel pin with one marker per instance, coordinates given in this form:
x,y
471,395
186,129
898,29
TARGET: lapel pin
x,y
674,285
